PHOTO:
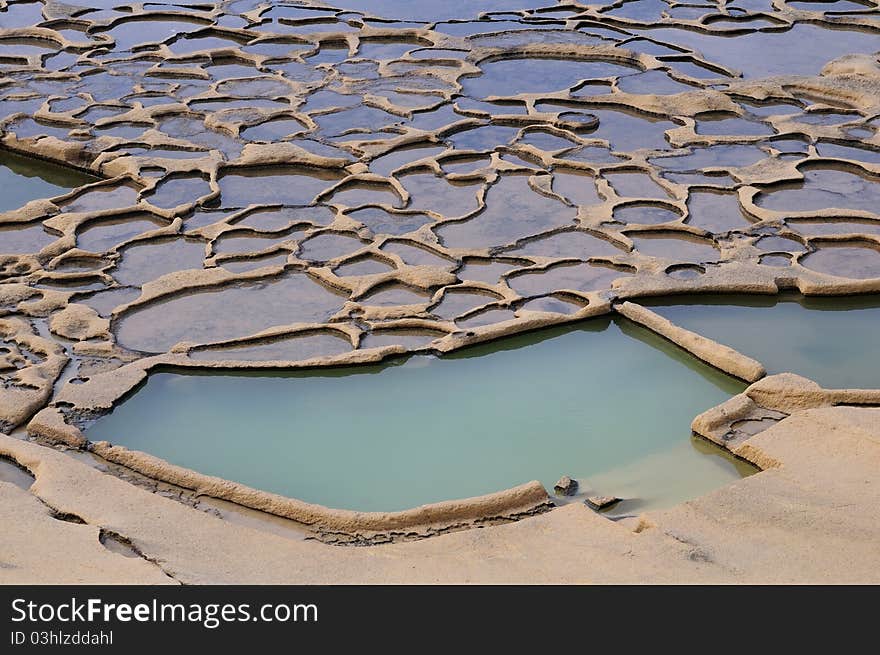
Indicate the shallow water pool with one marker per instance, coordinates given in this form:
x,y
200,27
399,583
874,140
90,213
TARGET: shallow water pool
x,y
23,179
580,401
830,340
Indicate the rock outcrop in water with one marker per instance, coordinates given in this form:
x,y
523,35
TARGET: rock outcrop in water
x,y
565,486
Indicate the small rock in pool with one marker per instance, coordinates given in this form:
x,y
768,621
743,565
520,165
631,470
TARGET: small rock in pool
x,y
601,502
565,486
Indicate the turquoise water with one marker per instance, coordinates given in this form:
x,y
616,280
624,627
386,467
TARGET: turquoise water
x,y
583,401
833,341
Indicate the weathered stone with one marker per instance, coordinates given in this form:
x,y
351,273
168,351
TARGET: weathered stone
x,y
565,486
601,502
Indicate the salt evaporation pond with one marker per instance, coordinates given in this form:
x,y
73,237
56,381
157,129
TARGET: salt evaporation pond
x,y
23,179
605,398
830,340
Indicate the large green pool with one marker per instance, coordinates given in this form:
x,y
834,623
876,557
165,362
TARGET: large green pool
x,y
605,400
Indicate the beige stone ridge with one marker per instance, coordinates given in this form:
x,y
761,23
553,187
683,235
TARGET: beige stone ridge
x,y
517,501
29,387
813,517
785,393
79,322
721,357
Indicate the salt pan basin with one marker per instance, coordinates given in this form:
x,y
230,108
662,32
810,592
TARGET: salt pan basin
x,y
605,399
